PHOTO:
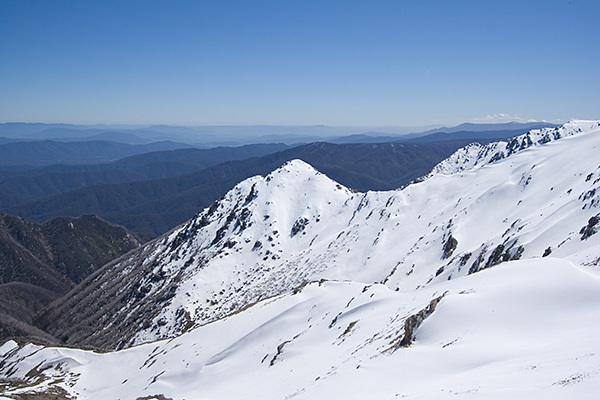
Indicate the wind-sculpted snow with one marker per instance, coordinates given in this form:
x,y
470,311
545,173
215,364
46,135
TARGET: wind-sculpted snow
x,y
525,329
270,234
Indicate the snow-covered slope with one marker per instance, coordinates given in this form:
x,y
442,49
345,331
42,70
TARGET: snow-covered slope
x,y
270,234
403,302
525,329
476,155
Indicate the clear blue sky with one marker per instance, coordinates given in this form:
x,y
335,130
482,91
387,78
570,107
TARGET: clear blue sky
x,y
405,63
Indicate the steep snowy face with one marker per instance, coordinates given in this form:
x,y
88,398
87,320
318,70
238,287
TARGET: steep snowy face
x,y
247,246
271,234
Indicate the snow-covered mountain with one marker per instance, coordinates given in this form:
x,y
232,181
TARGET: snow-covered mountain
x,y
271,234
381,264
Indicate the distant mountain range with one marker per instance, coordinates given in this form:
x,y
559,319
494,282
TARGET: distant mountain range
x,y
214,136
463,131
118,137
38,183
480,127
47,152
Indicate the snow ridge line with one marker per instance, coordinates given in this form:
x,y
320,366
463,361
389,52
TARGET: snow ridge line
x,y
476,155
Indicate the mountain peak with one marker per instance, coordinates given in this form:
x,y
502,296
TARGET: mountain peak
x,y
296,165
296,170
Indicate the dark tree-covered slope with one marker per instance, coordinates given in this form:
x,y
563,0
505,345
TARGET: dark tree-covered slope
x,y
43,182
50,152
155,206
39,263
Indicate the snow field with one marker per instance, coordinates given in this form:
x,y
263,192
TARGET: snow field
x,y
524,328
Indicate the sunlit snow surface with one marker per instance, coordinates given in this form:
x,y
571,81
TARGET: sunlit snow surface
x,y
518,329
524,329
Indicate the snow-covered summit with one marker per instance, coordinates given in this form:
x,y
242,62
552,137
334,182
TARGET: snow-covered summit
x,y
295,190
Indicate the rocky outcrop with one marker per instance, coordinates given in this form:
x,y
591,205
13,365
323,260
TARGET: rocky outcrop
x,y
412,323
591,228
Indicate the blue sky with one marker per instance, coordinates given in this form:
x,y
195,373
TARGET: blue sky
x,y
373,63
